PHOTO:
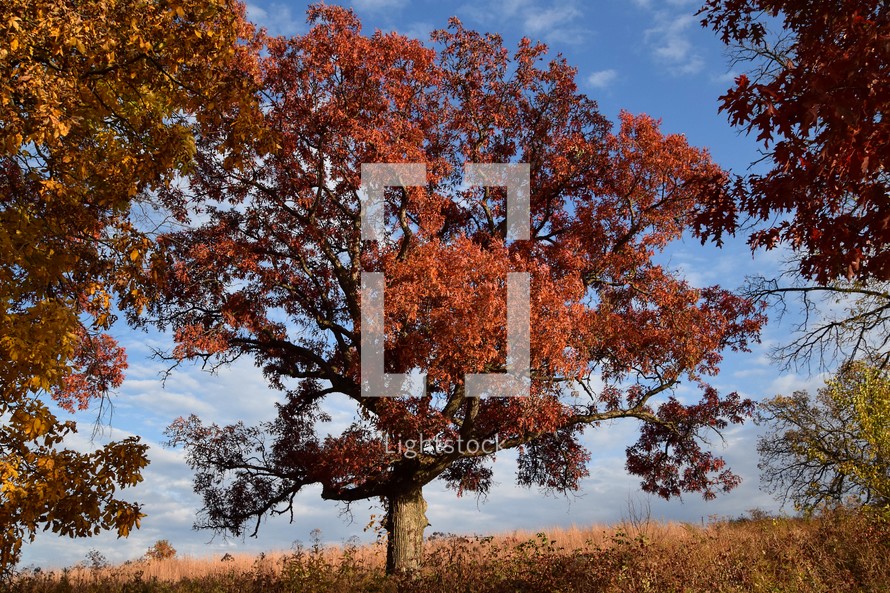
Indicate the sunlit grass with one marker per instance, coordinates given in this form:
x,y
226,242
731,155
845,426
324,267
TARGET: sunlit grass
x,y
839,551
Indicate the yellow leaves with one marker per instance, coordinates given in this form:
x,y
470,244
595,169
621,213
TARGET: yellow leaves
x,y
103,320
79,98
61,129
51,185
31,426
12,142
46,463
101,299
126,520
35,484
863,393
8,472
38,383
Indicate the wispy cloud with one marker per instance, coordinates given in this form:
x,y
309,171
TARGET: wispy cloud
x,y
416,30
670,37
671,45
725,78
278,19
676,3
550,21
602,78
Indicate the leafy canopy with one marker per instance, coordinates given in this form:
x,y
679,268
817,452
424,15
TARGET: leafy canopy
x,y
833,447
817,97
273,273
95,101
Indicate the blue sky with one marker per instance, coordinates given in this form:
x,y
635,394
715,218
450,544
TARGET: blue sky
x,y
643,56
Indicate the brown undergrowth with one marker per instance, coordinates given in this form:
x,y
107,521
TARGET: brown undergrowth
x,y
834,552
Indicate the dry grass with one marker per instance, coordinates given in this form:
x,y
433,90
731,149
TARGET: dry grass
x,y
563,539
840,551
189,567
178,568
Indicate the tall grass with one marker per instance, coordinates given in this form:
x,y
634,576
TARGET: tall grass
x,y
838,551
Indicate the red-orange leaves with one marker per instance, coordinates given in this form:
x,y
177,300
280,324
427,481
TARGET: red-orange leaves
x,y
275,271
818,105
98,364
554,462
669,455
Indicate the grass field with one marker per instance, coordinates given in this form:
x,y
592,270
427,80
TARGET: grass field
x,y
838,551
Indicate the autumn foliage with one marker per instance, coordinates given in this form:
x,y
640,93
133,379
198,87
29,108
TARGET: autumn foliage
x,y
94,102
161,550
816,97
832,447
272,272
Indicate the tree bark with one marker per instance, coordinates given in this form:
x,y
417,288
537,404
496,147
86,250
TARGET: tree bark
x,y
406,520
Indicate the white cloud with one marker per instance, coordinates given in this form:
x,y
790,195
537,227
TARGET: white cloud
x,y
671,45
552,22
788,383
417,30
256,13
725,78
669,39
278,19
602,78
662,3
540,20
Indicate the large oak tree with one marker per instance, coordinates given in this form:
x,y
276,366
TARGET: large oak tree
x,y
271,269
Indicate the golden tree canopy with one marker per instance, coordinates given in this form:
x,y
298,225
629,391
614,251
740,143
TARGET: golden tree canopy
x,y
96,102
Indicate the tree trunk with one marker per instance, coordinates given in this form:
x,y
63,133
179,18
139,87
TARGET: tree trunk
x,y
406,520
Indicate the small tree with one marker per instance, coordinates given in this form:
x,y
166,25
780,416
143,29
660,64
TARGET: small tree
x,y
161,550
275,273
833,448
96,560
